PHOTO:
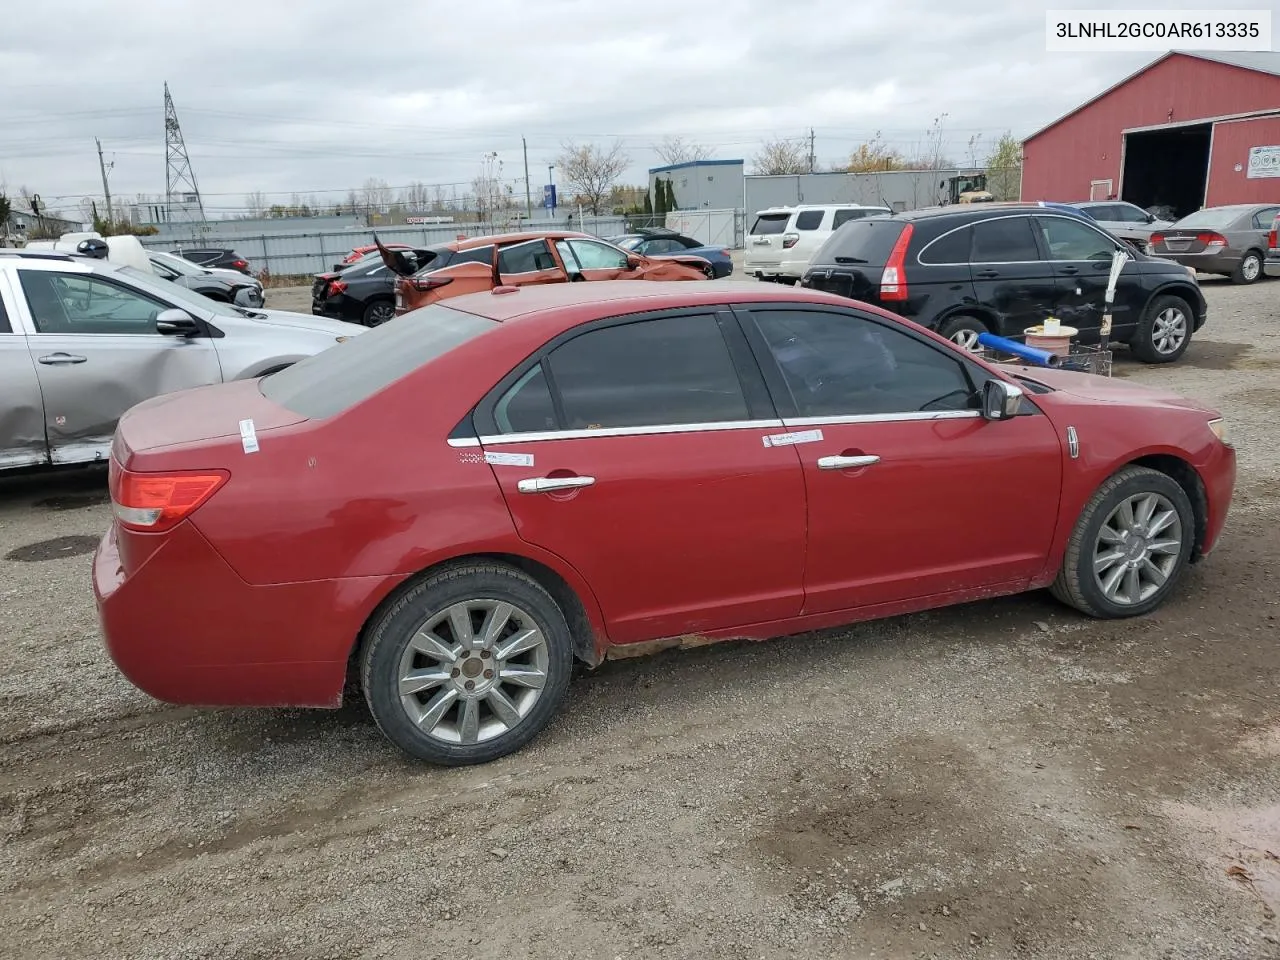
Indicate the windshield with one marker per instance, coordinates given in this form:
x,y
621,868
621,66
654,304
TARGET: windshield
x,y
1215,217
180,295
626,243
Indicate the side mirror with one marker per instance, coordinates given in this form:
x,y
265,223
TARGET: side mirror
x,y
176,323
633,263
1151,218
1001,400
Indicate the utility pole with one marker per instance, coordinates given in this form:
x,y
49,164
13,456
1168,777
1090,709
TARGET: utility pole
x,y
813,160
528,187
105,189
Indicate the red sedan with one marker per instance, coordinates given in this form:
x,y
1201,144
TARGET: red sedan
x,y
454,511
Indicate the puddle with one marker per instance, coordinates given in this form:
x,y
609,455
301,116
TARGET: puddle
x,y
55,549
1212,355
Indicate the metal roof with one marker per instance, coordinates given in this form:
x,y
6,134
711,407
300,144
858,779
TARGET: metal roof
x,y
1259,61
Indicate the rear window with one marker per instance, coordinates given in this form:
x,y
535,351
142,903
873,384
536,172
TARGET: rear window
x,y
1214,218
349,373
769,223
861,241
809,220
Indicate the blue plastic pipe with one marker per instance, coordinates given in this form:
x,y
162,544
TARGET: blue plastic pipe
x,y
1020,350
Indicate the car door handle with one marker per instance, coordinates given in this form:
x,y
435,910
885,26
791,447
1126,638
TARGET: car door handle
x,y
552,484
846,463
1072,270
54,359
987,274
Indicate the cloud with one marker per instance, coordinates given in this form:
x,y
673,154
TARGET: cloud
x,y
316,97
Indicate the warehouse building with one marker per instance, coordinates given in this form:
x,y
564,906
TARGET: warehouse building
x,y
1188,130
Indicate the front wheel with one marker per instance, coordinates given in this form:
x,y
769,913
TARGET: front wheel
x,y
468,666
1131,544
1249,270
1165,330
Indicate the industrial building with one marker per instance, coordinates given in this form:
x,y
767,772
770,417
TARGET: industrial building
x,y
1189,130
702,184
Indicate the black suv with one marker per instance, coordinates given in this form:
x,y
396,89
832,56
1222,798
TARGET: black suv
x,y
965,271
215,257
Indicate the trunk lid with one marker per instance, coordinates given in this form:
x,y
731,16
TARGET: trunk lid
x,y
764,239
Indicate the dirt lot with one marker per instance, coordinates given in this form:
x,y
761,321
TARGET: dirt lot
x,y
997,780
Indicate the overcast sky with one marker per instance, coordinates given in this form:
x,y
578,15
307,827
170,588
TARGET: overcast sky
x,y
314,98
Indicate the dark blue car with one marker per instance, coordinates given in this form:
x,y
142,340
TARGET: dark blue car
x,y
658,242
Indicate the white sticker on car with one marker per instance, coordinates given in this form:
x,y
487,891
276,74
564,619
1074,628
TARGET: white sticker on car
x,y
509,459
248,436
789,439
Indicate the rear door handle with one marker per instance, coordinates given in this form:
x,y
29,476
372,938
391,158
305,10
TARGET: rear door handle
x,y
1074,270
54,359
987,274
552,484
846,463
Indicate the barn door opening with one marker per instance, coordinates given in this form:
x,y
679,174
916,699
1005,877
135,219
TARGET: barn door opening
x,y
1167,168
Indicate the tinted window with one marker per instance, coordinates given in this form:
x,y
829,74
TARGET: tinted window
x,y
769,223
4,319
598,256
1073,240
844,216
951,247
662,245
669,371
809,219
1214,218
527,407
474,255
1127,213
860,241
840,365
1007,240
347,373
525,257
80,303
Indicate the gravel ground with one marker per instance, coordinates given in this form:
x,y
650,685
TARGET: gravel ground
x,y
997,780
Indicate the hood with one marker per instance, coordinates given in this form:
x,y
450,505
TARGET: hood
x,y
1109,389
305,321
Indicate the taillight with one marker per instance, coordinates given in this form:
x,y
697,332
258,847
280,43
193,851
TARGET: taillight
x,y
424,284
1271,239
336,287
1212,239
1157,238
154,502
789,240
239,264
893,282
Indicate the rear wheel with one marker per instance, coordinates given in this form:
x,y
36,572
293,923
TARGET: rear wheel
x,y
468,665
1249,270
378,313
1131,544
963,331
1165,330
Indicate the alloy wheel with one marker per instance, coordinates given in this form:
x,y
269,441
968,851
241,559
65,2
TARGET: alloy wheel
x,y
380,314
1169,330
1251,268
968,339
1137,549
473,671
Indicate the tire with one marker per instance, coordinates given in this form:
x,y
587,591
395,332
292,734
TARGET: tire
x,y
963,331
1249,270
507,713
709,272
1155,339
378,313
1095,539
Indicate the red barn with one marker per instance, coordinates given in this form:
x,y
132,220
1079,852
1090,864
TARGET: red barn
x,y
1189,130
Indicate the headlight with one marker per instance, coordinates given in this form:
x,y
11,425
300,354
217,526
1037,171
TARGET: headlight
x,y
1219,428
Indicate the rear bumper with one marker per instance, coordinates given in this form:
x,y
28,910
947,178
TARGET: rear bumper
x,y
775,268
1271,266
185,628
1204,262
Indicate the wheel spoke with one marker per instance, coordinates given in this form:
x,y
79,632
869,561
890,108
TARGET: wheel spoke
x,y
1158,576
429,645
1164,546
1133,584
469,721
419,680
1112,582
1160,522
460,623
430,718
530,677
494,623
522,642
1125,514
1104,561
503,708
1146,507
1109,534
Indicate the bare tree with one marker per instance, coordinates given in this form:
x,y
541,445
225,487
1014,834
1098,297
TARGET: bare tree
x,y
493,197
673,150
438,201
375,195
255,204
1004,168
590,171
780,157
416,197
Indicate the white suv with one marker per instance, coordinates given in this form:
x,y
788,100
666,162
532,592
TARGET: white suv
x,y
782,239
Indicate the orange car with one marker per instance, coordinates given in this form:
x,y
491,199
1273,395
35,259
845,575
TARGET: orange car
x,y
517,259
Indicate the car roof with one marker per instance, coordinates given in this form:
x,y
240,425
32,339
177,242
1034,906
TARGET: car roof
x,y
978,209
578,303
470,243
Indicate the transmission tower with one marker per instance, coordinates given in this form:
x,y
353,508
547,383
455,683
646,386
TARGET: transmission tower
x,y
181,195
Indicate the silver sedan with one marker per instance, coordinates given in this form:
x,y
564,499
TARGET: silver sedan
x,y
83,340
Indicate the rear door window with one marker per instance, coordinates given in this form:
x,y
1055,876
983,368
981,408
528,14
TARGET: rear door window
x,y
1007,240
842,217
768,224
951,247
528,257
860,241
474,255
348,373
809,219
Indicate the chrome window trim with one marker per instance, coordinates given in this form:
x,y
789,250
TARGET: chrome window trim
x,y
667,428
